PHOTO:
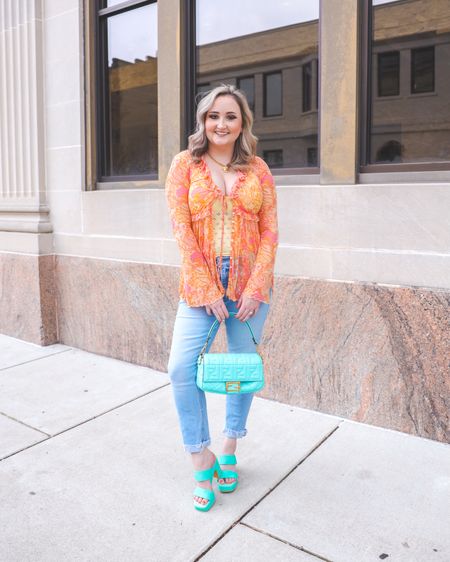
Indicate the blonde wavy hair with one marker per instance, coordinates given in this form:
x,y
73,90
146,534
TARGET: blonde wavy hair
x,y
245,145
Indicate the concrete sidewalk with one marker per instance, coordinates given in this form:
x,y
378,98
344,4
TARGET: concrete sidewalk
x,y
93,469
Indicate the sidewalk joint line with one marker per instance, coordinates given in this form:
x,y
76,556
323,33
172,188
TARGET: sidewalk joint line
x,y
326,436
302,548
23,423
36,359
51,436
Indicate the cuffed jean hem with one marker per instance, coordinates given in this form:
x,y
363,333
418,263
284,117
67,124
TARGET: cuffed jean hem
x,y
234,434
197,448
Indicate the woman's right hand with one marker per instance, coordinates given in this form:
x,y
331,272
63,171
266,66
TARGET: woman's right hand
x,y
219,310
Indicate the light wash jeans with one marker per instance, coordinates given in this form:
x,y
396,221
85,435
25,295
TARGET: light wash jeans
x,y
191,328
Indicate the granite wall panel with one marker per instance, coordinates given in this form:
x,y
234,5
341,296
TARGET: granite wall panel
x,y
27,297
371,353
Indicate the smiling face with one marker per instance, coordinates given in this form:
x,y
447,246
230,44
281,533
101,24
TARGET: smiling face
x,y
223,122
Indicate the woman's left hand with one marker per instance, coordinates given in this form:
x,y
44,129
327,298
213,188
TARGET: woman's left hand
x,y
248,307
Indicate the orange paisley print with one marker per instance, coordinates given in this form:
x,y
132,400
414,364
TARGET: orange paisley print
x,y
190,194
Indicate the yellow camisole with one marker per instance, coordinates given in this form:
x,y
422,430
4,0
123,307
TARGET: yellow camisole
x,y
217,224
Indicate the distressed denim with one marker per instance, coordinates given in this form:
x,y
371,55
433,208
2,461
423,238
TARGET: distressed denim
x,y
191,328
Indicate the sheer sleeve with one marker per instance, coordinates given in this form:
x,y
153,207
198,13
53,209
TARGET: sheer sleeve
x,y
262,275
198,284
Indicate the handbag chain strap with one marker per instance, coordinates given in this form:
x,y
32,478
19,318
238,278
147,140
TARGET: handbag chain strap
x,y
202,352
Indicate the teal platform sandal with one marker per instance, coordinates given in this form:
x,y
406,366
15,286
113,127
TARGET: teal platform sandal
x,y
207,474
230,486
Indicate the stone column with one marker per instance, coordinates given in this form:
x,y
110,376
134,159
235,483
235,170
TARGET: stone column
x,y
339,87
26,303
169,82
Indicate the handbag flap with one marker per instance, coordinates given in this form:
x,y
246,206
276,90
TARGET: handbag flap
x,y
232,367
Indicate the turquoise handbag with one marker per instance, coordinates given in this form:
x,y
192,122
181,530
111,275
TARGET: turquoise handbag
x,y
230,373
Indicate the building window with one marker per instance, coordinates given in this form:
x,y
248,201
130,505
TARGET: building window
x,y
273,158
247,85
263,56
422,70
306,86
127,103
273,94
406,54
389,74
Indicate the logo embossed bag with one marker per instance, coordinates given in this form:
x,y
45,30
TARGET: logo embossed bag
x,y
226,373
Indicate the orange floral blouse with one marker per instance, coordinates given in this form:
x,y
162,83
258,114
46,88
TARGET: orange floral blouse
x,y
190,193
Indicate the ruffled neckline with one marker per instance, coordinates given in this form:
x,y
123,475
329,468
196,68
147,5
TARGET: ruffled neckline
x,y
240,178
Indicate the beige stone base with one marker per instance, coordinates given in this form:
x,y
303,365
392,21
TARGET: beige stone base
x,y
27,297
371,353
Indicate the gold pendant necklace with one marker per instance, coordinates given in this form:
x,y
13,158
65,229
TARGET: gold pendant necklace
x,y
225,167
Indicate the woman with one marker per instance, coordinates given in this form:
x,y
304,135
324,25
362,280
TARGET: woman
x,y
222,204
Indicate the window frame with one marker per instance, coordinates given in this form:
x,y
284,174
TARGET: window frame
x,y
365,105
101,101
189,61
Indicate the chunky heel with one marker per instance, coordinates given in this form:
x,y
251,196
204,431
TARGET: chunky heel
x,y
207,474
231,486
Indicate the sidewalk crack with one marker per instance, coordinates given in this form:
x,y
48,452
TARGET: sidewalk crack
x,y
24,423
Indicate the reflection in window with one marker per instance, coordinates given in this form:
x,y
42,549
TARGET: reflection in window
x,y
274,158
273,94
128,106
312,156
306,86
410,55
391,151
316,70
264,57
422,70
389,74
203,89
247,85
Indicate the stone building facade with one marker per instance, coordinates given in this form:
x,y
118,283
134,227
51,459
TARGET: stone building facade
x,y
359,324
